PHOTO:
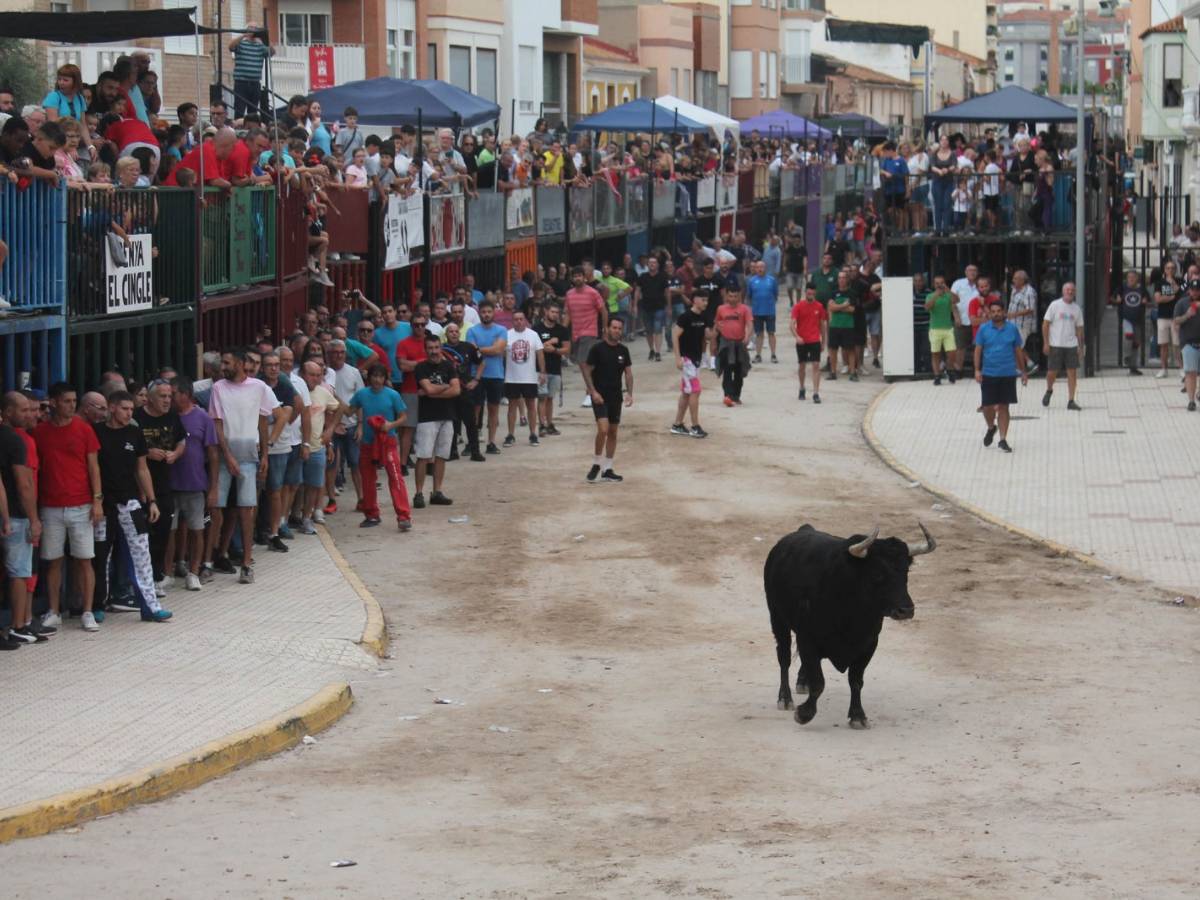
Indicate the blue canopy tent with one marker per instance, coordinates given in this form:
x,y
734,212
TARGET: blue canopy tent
x,y
642,114
785,124
1009,104
398,101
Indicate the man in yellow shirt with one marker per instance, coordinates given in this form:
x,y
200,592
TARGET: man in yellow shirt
x,y
552,172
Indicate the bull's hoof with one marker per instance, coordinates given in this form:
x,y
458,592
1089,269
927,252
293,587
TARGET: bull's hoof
x,y
860,724
801,686
783,704
804,715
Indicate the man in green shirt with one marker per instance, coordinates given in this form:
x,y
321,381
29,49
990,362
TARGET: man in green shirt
x,y
943,317
618,295
825,280
841,327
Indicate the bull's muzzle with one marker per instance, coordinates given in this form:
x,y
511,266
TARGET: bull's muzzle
x,y
901,615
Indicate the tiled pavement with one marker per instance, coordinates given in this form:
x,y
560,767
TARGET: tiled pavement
x,y
86,707
1119,481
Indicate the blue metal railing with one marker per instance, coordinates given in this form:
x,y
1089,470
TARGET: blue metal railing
x,y
32,221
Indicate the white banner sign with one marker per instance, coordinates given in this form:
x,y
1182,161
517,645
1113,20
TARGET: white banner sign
x,y
402,230
706,192
130,286
519,213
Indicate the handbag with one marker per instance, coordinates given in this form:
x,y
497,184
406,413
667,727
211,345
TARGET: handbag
x,y
116,249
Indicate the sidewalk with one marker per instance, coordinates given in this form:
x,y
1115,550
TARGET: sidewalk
x,y
87,707
1119,481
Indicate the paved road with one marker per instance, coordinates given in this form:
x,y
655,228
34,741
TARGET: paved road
x,y
86,707
1032,730
1119,481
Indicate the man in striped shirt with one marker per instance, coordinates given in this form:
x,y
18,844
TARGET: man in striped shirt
x,y
249,54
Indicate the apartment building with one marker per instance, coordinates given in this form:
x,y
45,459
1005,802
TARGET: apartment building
x,y
800,21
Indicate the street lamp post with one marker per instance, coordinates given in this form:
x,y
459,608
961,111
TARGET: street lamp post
x,y
1080,276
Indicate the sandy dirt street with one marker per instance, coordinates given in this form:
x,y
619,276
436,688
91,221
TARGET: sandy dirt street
x,y
1034,728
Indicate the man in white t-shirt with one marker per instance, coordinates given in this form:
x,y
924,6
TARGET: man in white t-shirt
x,y
1062,335
345,380
524,370
992,175
239,407
965,290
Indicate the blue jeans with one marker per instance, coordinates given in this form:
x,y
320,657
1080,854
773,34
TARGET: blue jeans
x,y
942,207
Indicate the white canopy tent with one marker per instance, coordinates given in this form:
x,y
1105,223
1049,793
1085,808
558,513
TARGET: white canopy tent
x,y
717,122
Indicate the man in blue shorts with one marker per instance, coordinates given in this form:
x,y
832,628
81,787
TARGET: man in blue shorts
x,y
763,291
999,356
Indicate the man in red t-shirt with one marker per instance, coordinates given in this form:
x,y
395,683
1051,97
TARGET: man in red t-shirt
x,y
70,500
215,154
810,328
587,313
732,321
977,308
409,353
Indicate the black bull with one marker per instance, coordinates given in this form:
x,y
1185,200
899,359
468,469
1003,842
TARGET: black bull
x,y
833,594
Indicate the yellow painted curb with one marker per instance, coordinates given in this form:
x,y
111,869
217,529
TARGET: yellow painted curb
x,y
374,635
181,773
868,432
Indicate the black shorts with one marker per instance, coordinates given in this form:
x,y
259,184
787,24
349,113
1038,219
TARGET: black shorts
x,y
992,203
998,390
842,337
489,391
519,391
808,353
896,201
610,409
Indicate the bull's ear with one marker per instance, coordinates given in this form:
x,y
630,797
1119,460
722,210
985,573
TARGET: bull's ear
x,y
860,549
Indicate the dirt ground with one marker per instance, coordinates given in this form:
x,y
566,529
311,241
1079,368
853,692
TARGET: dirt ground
x,y
1034,727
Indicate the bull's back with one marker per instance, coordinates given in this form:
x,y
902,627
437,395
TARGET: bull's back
x,y
797,572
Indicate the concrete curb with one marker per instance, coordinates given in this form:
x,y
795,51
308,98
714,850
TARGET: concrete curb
x,y
374,635
180,773
868,432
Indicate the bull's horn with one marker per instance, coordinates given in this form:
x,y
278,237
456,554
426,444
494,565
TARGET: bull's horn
x,y
928,546
860,549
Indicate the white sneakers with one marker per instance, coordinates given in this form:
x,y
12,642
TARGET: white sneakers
x,y
88,622
587,401
51,620
1161,373
161,587
192,581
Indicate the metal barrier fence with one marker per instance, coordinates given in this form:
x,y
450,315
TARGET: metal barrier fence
x,y
980,203
238,237
608,205
34,275
32,352
551,211
447,223
485,221
168,215
581,222
139,346
635,202
520,210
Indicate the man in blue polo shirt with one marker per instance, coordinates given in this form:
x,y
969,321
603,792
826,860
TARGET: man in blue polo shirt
x,y
388,335
999,356
763,292
492,340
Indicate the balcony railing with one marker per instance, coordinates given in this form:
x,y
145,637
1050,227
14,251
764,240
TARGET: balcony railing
x,y
964,205
31,219
238,237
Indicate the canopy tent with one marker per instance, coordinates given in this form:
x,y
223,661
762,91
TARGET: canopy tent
x,y
854,125
396,101
104,27
716,122
786,124
640,115
1009,104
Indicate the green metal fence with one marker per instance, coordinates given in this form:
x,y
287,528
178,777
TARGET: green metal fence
x,y
238,237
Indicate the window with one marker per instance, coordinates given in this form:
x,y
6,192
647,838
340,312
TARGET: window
x,y
687,85
1044,76
741,75
1172,75
60,6
674,82
762,73
954,43
431,70
526,81
1008,55
460,67
741,2
400,52
485,74
1008,77
393,50
796,4
304,29
706,90
773,75
552,92
1042,52
182,44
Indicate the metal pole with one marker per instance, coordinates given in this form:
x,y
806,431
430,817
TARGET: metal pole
x,y
1080,269
427,262
220,51
650,174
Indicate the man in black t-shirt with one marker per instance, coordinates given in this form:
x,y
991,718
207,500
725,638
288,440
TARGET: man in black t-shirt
x,y
607,364
437,378
1167,291
652,301
1133,300
713,283
556,344
692,334
795,264
166,441
130,507
467,358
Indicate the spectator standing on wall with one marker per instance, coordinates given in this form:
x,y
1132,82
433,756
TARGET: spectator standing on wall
x,y
249,54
